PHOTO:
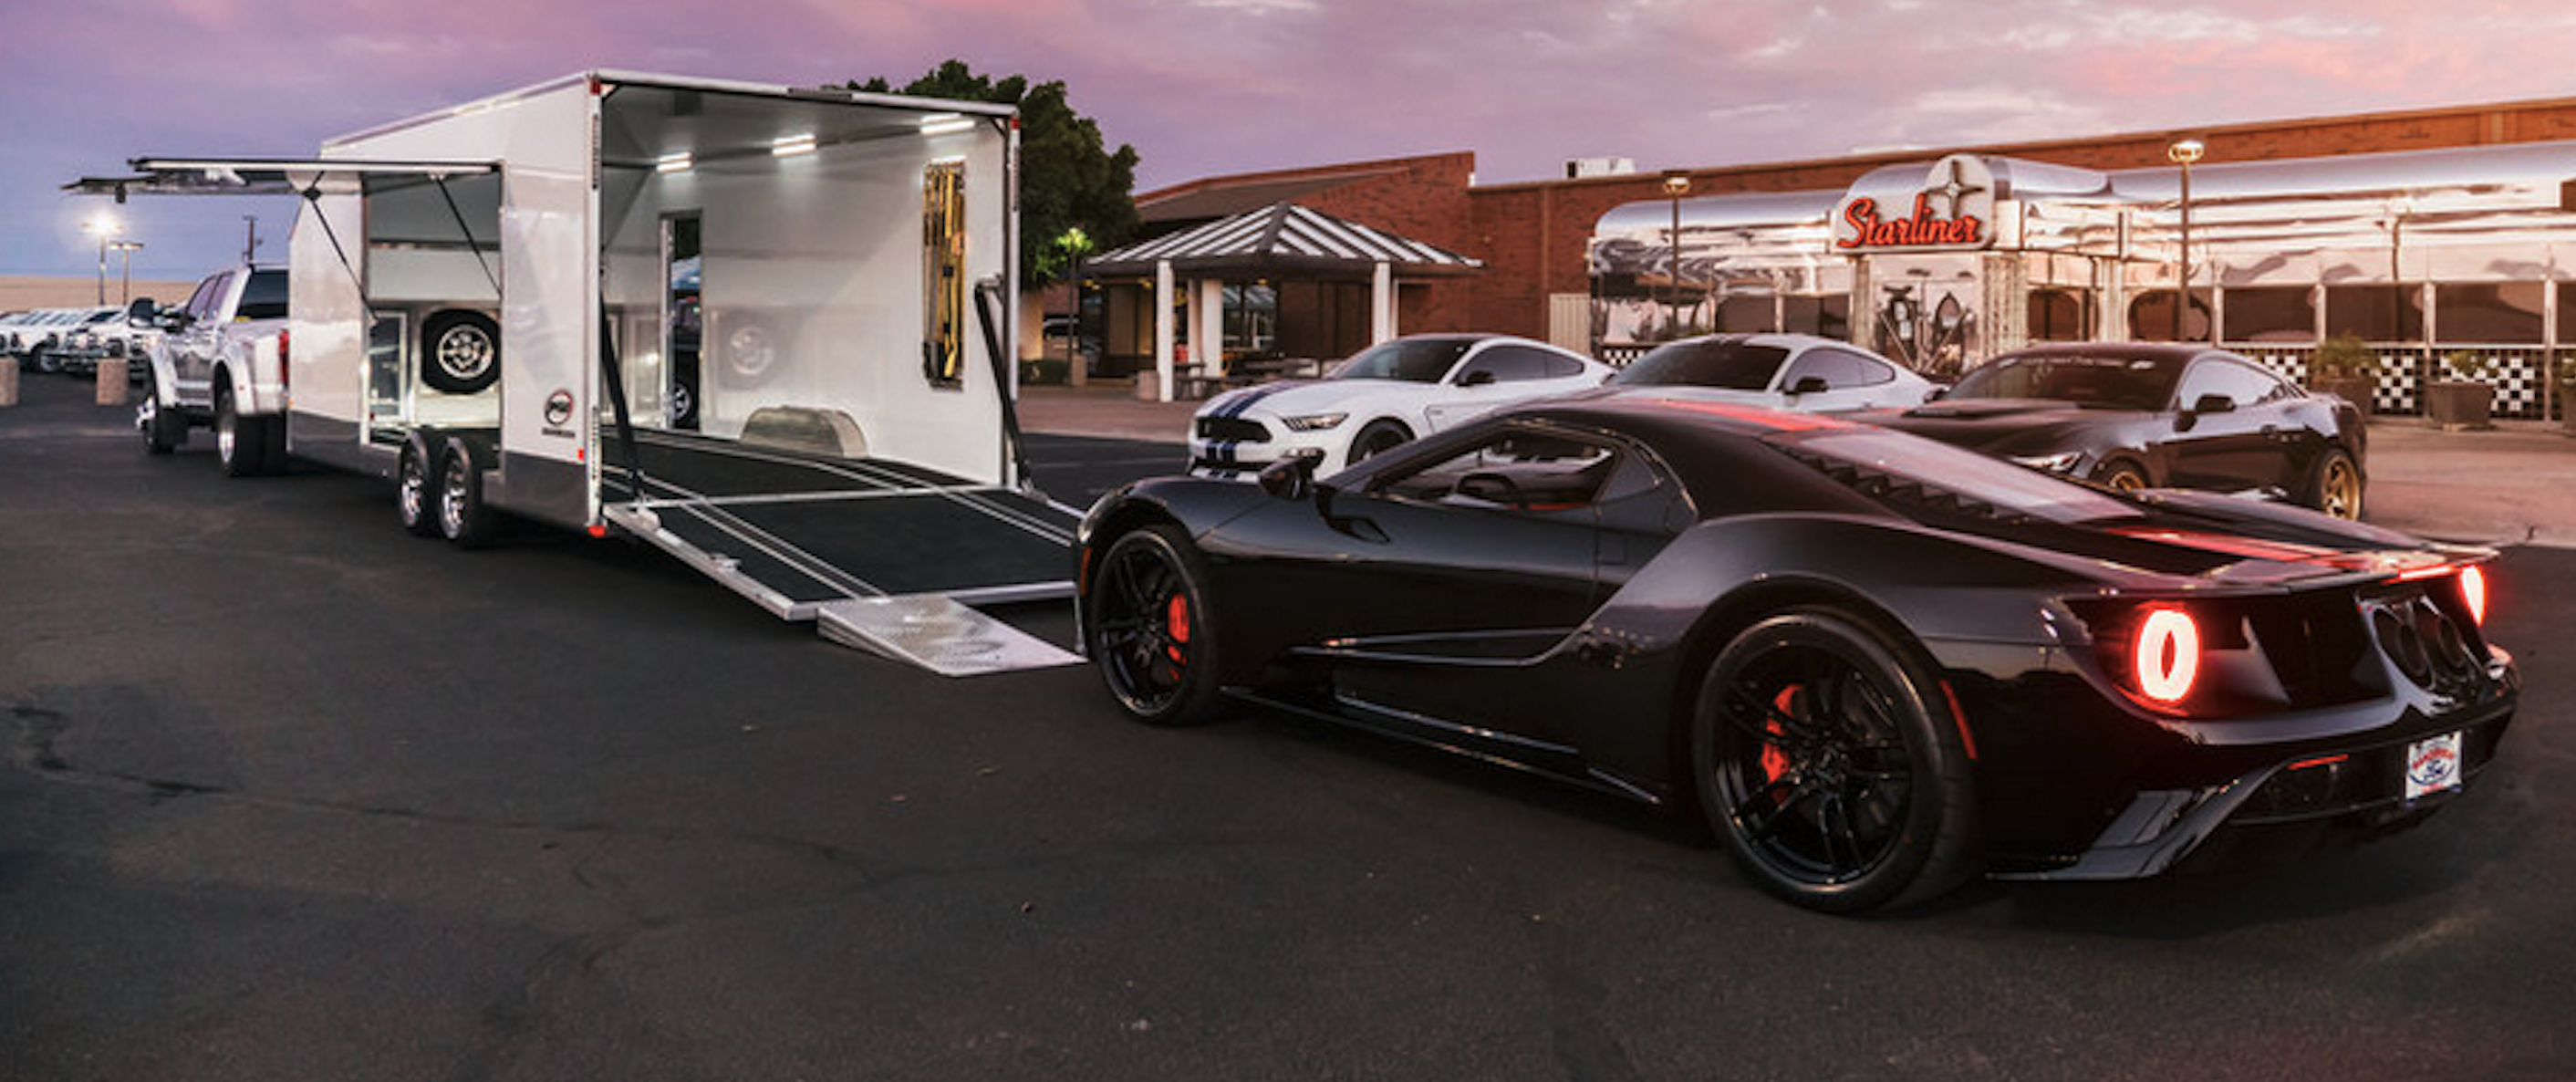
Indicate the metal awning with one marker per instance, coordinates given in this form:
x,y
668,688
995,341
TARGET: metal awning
x,y
272,176
1283,240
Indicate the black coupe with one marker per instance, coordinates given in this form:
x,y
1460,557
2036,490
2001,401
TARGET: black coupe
x,y
1877,664
2133,415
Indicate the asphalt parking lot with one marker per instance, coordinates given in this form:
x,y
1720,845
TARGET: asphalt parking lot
x,y
290,794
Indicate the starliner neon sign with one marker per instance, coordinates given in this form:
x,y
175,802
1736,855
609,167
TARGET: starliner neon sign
x,y
1953,209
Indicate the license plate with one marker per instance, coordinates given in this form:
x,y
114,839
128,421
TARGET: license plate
x,y
2432,765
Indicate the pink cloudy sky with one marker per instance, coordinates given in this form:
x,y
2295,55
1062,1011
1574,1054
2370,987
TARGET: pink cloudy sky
x,y
1205,87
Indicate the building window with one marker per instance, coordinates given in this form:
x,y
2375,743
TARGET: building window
x,y
1826,317
2270,314
2061,315
2488,313
1251,320
2378,313
2151,317
1743,313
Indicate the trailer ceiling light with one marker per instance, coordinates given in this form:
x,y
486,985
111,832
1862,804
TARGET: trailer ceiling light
x,y
787,145
946,124
2168,655
2473,585
674,162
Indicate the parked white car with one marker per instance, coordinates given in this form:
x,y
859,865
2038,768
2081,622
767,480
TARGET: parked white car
x,y
1781,371
1381,397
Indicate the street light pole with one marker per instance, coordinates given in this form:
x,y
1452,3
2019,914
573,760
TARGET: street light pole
x,y
2184,152
1677,183
104,228
125,272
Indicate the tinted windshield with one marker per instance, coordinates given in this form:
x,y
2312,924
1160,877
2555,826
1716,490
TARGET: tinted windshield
x,y
1413,360
2140,383
1929,467
1708,362
264,297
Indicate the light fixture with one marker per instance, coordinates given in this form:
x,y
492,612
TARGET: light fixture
x,y
2186,151
788,145
946,124
674,162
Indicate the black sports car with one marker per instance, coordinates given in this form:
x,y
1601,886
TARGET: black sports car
x,y
2134,415
1876,663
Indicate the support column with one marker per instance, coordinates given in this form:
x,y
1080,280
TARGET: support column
x,y
1382,304
1163,330
1207,326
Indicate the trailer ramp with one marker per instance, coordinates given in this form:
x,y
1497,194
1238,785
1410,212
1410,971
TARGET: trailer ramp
x,y
885,556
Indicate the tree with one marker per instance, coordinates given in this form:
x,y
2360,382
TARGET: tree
x,y
1076,196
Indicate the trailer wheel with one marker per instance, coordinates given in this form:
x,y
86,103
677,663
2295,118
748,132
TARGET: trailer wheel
x,y
460,351
412,499
462,518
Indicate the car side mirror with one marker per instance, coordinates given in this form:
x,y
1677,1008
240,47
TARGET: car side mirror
x,y
1477,378
1809,385
1291,478
1938,392
2213,403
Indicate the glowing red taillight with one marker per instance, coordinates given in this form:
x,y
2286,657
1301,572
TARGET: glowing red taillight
x,y
2473,585
2168,655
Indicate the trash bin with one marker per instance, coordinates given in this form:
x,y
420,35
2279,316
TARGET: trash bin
x,y
111,381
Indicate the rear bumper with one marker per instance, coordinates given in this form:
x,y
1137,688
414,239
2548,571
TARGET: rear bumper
x,y
2308,798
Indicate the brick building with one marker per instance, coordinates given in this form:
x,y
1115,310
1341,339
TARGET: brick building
x,y
1534,239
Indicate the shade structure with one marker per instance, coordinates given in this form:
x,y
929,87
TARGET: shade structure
x,y
1282,240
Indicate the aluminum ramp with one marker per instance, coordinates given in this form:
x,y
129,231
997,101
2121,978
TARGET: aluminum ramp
x,y
883,555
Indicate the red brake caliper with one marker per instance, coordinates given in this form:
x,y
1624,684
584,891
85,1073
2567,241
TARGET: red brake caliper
x,y
1176,623
1775,760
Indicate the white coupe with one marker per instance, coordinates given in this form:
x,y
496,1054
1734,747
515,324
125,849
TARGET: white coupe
x,y
1782,371
1383,396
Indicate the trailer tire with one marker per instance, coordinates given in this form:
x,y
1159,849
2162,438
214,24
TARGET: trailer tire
x,y
415,502
460,351
463,519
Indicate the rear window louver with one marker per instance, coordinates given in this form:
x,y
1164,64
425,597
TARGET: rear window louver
x,y
1905,493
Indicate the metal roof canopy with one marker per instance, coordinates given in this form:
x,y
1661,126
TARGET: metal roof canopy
x,y
2517,194
1283,240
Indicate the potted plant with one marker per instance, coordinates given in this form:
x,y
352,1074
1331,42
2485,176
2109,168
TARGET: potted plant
x,y
2464,395
2346,366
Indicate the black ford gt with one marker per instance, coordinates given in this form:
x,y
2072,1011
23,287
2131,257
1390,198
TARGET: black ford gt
x,y
2133,415
1877,664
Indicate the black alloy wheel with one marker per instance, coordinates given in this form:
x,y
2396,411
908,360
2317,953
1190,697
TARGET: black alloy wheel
x,y
1147,626
1827,759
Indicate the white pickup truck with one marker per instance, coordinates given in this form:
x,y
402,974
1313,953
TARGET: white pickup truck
x,y
221,364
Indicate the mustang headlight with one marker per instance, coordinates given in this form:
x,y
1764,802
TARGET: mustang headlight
x,y
1314,422
2059,463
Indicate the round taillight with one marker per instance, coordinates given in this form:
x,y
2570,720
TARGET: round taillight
x,y
2473,585
2168,655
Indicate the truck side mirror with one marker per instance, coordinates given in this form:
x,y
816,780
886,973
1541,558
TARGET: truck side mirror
x,y
141,311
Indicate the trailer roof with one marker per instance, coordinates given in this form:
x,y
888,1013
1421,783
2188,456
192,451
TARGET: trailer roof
x,y
614,77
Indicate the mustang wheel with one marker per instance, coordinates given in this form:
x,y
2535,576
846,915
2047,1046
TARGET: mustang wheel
x,y
1146,623
1380,436
2121,475
1827,759
2334,485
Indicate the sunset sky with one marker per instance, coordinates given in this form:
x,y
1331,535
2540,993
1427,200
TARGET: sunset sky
x,y
1204,87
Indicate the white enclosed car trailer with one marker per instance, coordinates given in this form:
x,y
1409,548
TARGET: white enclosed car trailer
x,y
759,327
